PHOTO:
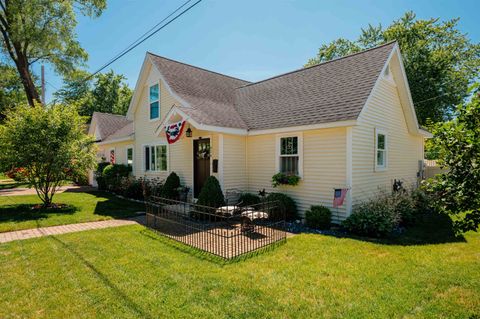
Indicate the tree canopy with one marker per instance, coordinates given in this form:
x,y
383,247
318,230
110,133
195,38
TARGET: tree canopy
x,y
440,61
11,90
49,145
458,144
105,92
43,31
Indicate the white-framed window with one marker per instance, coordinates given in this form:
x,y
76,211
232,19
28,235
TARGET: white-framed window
x,y
129,153
155,158
381,148
154,101
111,156
290,154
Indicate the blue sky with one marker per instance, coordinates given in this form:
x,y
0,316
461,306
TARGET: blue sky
x,y
248,39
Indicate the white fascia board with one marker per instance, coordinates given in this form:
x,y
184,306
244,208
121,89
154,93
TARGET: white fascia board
x,y
117,140
303,127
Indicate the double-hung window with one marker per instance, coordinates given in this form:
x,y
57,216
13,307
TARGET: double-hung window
x,y
380,149
155,158
154,101
289,155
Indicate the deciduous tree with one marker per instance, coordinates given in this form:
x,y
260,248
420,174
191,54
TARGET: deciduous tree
x,y
440,61
50,145
43,31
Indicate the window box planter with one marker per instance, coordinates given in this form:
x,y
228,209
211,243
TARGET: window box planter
x,y
285,179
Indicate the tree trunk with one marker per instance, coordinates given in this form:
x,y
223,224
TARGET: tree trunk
x,y
27,81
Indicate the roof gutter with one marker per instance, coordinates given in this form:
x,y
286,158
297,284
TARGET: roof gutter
x,y
117,140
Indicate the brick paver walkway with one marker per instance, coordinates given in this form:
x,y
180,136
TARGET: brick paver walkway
x,y
64,229
31,191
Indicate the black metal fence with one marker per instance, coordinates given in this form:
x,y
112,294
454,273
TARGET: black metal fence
x,y
228,231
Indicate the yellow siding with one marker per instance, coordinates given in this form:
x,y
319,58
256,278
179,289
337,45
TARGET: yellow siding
x,y
234,162
120,151
404,150
324,167
145,128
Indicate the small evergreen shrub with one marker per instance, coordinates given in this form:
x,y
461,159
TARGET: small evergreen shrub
x,y
102,185
319,217
286,206
248,199
211,194
171,186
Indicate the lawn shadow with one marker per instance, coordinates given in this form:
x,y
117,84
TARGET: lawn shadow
x,y
113,206
26,212
121,296
429,229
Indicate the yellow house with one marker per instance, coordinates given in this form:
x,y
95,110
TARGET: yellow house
x,y
344,124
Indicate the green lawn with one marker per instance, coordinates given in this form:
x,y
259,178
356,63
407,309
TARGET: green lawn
x,y
16,212
130,272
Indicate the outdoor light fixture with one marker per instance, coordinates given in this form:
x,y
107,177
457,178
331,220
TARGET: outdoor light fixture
x,y
188,133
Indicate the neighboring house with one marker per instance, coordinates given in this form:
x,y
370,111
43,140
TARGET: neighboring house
x,y
347,123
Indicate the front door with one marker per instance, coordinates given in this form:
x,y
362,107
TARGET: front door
x,y
201,164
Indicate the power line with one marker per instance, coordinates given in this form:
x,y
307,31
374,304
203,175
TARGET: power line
x,y
138,42
432,98
147,32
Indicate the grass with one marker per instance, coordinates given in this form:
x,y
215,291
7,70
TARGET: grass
x,y
16,212
131,272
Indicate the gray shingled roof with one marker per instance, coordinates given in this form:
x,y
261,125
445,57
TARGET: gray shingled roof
x,y
112,126
332,91
210,95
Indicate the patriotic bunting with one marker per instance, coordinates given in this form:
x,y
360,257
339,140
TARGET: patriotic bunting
x,y
174,131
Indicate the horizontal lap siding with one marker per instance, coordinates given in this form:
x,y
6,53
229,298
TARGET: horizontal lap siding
x,y
145,129
324,168
234,162
385,112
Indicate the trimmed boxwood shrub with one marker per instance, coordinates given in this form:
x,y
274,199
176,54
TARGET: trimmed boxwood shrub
x,y
318,217
285,205
211,194
171,186
248,199
113,174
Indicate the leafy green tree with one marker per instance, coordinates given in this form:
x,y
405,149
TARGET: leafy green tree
x,y
105,92
459,142
49,144
440,61
11,90
43,30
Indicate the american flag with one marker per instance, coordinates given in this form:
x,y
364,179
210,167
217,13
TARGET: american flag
x,y
174,131
339,196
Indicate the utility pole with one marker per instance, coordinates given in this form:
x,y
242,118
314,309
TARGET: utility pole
x,y
43,85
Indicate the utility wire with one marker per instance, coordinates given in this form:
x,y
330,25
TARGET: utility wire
x,y
432,98
147,32
138,42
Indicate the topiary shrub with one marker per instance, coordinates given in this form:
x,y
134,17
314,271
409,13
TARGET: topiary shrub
x,y
171,186
377,218
248,199
286,205
318,217
211,194
113,173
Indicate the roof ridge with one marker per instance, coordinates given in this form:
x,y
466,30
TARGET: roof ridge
x,y
197,67
120,115
320,64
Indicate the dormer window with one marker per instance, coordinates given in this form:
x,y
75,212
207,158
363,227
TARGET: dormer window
x,y
154,102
